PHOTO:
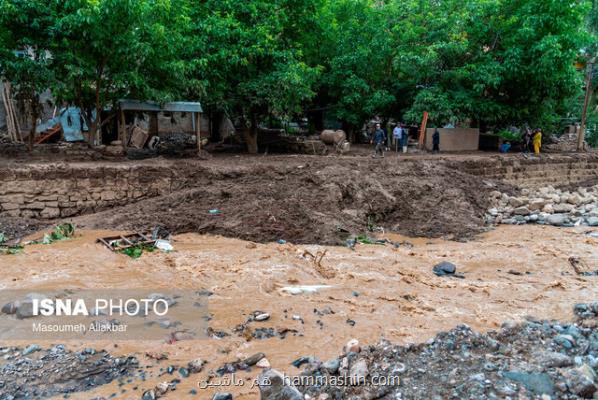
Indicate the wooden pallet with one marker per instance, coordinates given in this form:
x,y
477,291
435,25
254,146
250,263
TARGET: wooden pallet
x,y
121,242
48,134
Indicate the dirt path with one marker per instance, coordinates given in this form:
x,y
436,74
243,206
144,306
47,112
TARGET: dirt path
x,y
386,291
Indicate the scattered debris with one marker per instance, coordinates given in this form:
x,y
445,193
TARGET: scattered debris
x,y
307,289
524,359
135,244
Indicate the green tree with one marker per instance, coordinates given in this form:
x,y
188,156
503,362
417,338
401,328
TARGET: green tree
x,y
355,40
247,56
25,39
107,50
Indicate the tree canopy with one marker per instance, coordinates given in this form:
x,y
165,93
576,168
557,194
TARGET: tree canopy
x,y
488,63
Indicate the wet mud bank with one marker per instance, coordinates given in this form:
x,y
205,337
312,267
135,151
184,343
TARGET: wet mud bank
x,y
302,199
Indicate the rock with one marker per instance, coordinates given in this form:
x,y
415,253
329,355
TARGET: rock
x,y
222,396
516,202
521,211
592,221
196,365
272,386
574,199
263,363
252,360
563,208
556,219
332,366
537,383
31,349
444,268
162,388
25,310
11,308
567,341
149,395
537,204
359,371
184,372
262,317
493,212
581,381
352,346
551,359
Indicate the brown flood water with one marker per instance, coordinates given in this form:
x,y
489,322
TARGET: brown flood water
x,y
399,297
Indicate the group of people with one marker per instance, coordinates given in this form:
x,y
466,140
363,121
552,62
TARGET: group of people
x,y
531,141
399,140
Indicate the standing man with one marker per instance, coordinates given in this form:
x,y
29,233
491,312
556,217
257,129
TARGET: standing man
x,y
527,140
379,141
404,138
537,141
397,137
436,141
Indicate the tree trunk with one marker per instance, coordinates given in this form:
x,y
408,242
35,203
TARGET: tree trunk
x,y
96,129
251,136
34,117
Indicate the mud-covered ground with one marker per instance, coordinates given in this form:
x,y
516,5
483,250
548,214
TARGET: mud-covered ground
x,y
313,200
303,199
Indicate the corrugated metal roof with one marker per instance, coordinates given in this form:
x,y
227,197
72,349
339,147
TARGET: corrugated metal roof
x,y
174,106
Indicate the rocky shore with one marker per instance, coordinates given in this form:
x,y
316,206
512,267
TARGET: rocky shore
x,y
532,360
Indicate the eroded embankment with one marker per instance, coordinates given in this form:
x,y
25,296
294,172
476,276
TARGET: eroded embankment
x,y
304,199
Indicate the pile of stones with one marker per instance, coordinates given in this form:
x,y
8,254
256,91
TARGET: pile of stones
x,y
545,205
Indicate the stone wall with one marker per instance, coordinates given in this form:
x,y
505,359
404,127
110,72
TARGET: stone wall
x,y
58,191
555,170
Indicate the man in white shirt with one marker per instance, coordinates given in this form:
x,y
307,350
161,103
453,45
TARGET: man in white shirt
x,y
397,136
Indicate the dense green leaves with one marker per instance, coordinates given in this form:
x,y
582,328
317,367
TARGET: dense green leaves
x,y
481,62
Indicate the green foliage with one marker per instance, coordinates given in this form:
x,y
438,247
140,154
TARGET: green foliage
x,y
137,251
60,232
247,55
482,62
26,36
509,135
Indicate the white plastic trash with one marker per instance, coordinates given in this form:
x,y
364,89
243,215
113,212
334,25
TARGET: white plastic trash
x,y
164,245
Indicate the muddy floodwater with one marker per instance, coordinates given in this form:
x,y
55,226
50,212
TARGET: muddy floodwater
x,y
372,292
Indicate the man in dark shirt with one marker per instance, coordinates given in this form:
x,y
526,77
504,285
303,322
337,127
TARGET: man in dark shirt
x,y
379,141
436,141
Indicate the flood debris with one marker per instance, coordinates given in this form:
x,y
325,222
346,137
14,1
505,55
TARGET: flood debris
x,y
135,244
304,289
580,267
34,372
60,232
7,247
527,360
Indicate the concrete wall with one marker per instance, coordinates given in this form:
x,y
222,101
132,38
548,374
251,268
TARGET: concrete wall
x,y
457,139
